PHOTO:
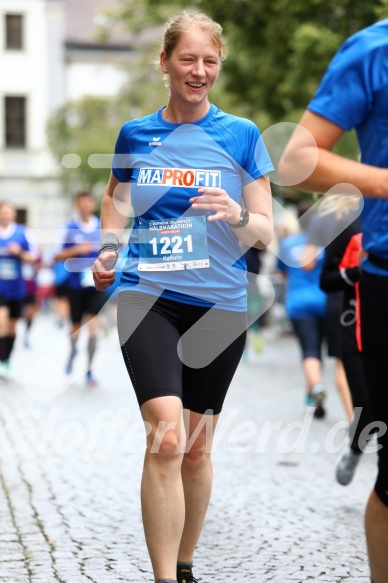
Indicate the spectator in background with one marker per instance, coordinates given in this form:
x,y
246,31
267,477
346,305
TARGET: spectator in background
x,y
305,307
81,242
15,248
341,272
323,228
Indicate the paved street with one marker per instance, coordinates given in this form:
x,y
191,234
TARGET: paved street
x,y
71,460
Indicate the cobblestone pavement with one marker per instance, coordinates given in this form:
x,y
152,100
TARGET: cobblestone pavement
x,y
71,459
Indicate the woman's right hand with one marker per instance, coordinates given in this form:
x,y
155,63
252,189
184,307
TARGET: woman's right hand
x,y
104,273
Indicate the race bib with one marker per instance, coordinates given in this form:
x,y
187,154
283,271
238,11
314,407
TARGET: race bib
x,y
173,244
8,269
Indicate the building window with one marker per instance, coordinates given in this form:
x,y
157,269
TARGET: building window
x,y
15,122
21,216
14,31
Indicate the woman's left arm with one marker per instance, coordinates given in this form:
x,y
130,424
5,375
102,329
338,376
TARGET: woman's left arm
x,y
258,202
257,198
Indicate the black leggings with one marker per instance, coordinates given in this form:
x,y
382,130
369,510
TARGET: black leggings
x,y
354,370
374,328
175,348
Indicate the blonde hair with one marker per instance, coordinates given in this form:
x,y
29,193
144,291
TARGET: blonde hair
x,y
340,204
185,21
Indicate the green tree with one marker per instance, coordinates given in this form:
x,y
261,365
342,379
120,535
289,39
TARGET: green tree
x,y
77,130
279,50
90,126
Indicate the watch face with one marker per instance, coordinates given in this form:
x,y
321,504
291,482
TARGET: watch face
x,y
244,217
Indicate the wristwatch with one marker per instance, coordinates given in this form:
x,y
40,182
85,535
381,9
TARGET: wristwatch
x,y
244,219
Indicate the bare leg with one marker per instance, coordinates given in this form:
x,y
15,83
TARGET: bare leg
x,y
4,322
376,528
162,497
312,368
197,476
343,388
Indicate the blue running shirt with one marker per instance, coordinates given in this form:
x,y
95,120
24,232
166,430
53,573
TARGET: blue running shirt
x,y
354,94
166,163
304,296
80,275
12,285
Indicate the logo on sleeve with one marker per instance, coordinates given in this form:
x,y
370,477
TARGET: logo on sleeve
x,y
179,177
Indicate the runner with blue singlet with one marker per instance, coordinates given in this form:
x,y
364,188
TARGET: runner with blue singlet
x,y
197,181
15,249
78,249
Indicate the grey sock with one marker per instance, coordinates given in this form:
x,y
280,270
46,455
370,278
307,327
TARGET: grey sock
x,y
73,351
92,345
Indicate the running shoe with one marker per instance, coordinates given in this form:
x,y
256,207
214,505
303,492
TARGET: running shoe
x,y
346,467
309,400
90,380
185,575
318,393
6,371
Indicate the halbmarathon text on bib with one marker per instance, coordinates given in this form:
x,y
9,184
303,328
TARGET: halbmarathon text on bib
x,y
173,244
180,177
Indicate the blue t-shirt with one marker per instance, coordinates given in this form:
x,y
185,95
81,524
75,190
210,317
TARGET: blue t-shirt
x,y
60,273
166,163
12,285
304,297
79,269
354,94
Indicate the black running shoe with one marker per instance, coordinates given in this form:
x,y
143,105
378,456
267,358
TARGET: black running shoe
x,y
185,575
318,393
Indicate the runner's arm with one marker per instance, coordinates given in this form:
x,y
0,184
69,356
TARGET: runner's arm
x,y
308,162
115,210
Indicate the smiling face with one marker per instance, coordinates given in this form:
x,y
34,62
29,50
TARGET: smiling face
x,y
193,68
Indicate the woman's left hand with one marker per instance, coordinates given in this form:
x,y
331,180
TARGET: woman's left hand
x,y
218,201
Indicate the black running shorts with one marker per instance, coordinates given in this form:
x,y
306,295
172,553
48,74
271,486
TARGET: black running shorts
x,y
374,324
175,348
14,306
85,301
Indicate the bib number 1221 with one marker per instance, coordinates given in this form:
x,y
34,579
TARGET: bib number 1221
x,y
172,245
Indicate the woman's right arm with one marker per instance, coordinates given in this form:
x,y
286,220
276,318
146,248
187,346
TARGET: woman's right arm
x,y
115,208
